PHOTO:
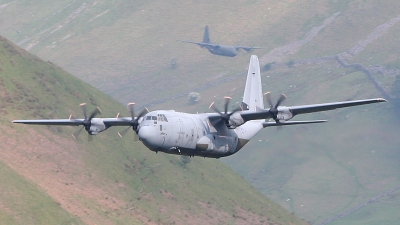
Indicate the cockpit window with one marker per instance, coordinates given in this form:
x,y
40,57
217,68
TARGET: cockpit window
x,y
148,118
162,117
154,117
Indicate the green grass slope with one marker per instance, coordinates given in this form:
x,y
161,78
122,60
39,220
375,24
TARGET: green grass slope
x,y
317,171
47,177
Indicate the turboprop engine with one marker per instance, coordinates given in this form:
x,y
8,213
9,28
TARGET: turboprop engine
x,y
231,119
235,120
97,125
284,114
92,125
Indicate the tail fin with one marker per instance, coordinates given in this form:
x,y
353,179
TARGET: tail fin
x,y
253,96
206,38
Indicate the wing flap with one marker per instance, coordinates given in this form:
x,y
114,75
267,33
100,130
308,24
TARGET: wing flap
x,y
274,124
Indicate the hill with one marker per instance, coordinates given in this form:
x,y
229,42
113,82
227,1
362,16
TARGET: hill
x,y
318,172
47,177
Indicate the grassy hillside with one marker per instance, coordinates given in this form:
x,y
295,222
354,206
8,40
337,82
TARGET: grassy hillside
x,y
325,170
48,177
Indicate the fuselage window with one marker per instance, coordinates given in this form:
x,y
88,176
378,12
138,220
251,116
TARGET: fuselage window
x,y
165,118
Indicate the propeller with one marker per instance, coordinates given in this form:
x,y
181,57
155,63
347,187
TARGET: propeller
x,y
87,121
273,109
225,116
134,122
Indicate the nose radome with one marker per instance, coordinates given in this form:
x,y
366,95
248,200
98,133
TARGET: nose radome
x,y
146,134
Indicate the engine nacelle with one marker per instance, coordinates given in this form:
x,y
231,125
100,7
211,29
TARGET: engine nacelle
x,y
235,120
97,126
284,114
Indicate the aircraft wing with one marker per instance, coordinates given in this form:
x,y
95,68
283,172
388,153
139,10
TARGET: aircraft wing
x,y
65,122
125,121
201,44
302,109
247,48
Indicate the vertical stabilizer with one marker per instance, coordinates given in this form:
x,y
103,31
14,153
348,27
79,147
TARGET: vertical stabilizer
x,y
206,38
253,96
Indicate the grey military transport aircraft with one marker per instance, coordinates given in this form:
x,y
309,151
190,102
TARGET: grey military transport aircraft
x,y
217,49
212,135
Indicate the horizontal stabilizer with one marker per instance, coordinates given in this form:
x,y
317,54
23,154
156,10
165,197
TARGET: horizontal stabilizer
x,y
274,124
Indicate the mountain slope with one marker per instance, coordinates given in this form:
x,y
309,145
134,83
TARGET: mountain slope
x,y
50,177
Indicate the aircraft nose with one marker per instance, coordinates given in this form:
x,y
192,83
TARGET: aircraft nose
x,y
146,135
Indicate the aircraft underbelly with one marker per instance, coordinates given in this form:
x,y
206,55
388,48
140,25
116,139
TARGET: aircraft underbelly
x,y
216,144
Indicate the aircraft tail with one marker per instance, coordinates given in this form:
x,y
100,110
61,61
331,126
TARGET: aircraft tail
x,y
206,38
253,96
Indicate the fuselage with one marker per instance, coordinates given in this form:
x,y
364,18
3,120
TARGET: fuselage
x,y
190,134
224,50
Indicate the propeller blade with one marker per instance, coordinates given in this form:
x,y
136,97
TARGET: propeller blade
x,y
225,116
214,108
236,110
131,109
134,122
94,113
227,100
268,98
273,110
122,133
282,97
86,121
77,133
83,108
144,112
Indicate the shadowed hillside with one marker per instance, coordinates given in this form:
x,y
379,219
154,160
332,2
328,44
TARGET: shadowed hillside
x,y
47,177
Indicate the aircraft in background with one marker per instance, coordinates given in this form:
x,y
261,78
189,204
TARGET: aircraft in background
x,y
212,135
217,49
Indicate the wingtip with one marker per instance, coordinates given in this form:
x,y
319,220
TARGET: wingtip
x,y
381,100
